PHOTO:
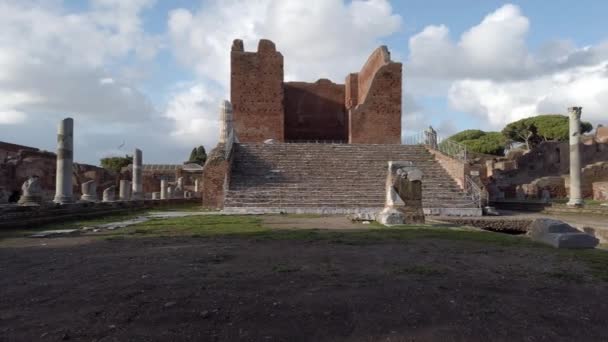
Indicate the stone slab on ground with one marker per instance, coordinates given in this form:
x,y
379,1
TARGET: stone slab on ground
x,y
50,233
560,234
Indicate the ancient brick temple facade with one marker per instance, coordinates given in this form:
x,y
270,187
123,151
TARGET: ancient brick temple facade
x,y
366,109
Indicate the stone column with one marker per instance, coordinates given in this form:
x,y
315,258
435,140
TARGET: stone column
x,y
225,121
89,191
576,198
163,189
196,189
137,193
109,194
65,154
170,192
124,192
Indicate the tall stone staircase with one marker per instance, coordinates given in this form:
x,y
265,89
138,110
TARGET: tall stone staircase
x,y
333,178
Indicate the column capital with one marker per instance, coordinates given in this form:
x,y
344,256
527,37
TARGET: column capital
x,y
575,112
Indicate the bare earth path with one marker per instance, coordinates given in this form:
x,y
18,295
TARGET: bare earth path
x,y
246,289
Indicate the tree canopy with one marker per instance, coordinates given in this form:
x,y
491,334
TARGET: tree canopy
x,y
541,128
198,155
116,163
481,142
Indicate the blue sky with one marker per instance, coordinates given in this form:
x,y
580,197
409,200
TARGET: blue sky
x,y
152,73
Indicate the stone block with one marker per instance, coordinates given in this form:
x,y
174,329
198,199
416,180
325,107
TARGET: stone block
x,y
560,234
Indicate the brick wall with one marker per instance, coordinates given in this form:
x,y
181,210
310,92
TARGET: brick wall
x,y
315,111
454,167
256,92
366,109
377,117
215,178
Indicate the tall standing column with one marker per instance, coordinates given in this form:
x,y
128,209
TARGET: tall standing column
x,y
163,189
137,176
65,156
576,198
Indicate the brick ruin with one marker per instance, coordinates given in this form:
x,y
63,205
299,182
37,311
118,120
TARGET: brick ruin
x,y
525,174
18,163
366,109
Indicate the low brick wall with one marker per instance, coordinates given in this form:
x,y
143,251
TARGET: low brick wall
x,y
455,168
12,216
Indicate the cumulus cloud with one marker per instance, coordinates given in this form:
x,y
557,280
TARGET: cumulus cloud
x,y
55,61
318,39
494,76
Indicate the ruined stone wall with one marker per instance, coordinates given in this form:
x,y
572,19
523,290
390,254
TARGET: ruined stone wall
x,y
600,191
28,163
315,111
256,92
11,150
351,89
377,117
216,174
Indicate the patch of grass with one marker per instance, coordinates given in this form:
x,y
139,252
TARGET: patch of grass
x,y
190,207
417,270
197,226
595,259
70,224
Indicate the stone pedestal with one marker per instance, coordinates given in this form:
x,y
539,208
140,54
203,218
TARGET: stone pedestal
x,y
65,152
124,192
137,193
576,198
403,195
109,194
31,193
89,191
163,189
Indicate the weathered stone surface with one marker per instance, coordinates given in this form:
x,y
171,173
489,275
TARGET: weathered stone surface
x,y
560,234
124,191
109,194
31,193
576,197
137,186
156,195
600,191
403,195
89,191
65,147
163,189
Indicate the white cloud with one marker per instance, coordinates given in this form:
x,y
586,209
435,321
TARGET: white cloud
x,y
10,117
195,111
496,78
55,61
318,38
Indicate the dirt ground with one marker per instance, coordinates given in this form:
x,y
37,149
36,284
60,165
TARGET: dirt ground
x,y
243,289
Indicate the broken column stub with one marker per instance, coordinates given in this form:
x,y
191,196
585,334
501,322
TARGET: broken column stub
x,y
89,191
31,193
403,195
109,194
124,191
